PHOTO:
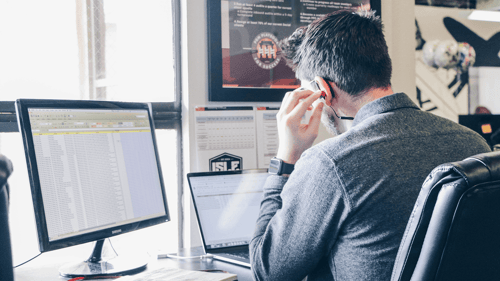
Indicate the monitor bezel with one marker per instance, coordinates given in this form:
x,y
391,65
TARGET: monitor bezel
x,y
216,92
22,106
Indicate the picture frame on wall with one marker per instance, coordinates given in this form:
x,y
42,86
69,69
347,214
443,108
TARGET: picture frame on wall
x,y
245,63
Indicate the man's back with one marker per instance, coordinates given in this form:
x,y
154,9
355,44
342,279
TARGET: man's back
x,y
381,164
343,210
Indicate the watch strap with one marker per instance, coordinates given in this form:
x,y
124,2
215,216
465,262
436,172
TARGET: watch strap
x,y
286,168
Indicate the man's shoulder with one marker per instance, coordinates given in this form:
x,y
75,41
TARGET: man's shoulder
x,y
444,125
395,129
332,148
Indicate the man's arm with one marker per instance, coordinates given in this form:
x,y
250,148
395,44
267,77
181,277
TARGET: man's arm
x,y
299,220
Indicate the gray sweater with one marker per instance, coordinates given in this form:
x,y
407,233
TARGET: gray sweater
x,y
341,214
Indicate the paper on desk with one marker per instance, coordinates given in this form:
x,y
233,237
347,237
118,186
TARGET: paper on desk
x,y
177,274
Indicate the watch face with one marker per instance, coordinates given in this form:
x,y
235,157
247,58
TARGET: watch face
x,y
274,166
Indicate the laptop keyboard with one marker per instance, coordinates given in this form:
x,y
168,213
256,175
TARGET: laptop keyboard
x,y
241,255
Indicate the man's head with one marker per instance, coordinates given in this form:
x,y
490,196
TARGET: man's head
x,y
344,47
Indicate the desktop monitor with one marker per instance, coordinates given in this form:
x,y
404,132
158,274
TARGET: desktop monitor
x,y
244,57
94,173
487,125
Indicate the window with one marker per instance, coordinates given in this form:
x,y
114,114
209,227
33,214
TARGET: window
x,y
120,50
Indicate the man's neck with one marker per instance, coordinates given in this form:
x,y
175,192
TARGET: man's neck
x,y
358,102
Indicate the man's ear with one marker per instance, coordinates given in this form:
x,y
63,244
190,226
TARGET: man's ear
x,y
326,88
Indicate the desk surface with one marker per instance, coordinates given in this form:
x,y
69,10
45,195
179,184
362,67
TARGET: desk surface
x,y
46,266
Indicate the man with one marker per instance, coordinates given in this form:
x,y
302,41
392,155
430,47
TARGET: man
x,y
341,213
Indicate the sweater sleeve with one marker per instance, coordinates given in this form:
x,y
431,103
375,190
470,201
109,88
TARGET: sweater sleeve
x,y
299,219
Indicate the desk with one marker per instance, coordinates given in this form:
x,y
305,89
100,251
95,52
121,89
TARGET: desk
x,y
46,266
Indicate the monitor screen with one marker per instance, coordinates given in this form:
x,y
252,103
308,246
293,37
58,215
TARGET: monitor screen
x,y
245,60
93,168
227,205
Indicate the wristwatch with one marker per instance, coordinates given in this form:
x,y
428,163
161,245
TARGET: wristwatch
x,y
278,167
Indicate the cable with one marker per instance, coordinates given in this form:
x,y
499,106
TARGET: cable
x,y
112,246
341,117
28,260
333,94
323,97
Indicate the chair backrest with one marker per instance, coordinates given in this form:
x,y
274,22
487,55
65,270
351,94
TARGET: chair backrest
x,y
6,271
454,230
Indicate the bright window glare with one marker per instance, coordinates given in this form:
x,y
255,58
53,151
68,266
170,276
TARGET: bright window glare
x,y
485,16
22,218
149,74
39,51
44,53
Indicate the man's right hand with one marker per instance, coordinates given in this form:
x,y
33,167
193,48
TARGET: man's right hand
x,y
294,137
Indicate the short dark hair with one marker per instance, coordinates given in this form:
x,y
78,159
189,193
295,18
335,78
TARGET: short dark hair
x,y
290,45
345,47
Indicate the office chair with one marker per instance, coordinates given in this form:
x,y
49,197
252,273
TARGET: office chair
x,y
6,271
454,230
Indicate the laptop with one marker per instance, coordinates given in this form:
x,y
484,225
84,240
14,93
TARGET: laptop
x,y
227,205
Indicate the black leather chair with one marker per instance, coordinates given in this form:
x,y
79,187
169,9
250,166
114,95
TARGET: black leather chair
x,y
454,229
6,272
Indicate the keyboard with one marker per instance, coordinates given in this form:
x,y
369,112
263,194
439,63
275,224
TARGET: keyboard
x,y
241,255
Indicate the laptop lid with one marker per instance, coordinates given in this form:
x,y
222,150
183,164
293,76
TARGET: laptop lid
x,y
227,205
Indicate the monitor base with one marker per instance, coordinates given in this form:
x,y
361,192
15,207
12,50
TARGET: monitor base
x,y
116,266
97,265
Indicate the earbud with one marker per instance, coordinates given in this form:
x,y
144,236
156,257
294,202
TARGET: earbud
x,y
323,97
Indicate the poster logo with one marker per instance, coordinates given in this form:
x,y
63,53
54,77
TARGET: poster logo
x,y
225,162
265,50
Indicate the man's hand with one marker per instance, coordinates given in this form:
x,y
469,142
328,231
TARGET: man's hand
x,y
294,137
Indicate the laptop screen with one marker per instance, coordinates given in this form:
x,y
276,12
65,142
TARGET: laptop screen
x,y
227,204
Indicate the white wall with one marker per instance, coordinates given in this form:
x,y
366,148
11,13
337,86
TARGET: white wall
x,y
485,88
398,18
399,21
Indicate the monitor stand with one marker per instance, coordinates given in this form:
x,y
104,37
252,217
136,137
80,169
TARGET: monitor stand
x,y
100,265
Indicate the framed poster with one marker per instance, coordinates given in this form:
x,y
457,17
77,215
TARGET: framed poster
x,y
244,59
